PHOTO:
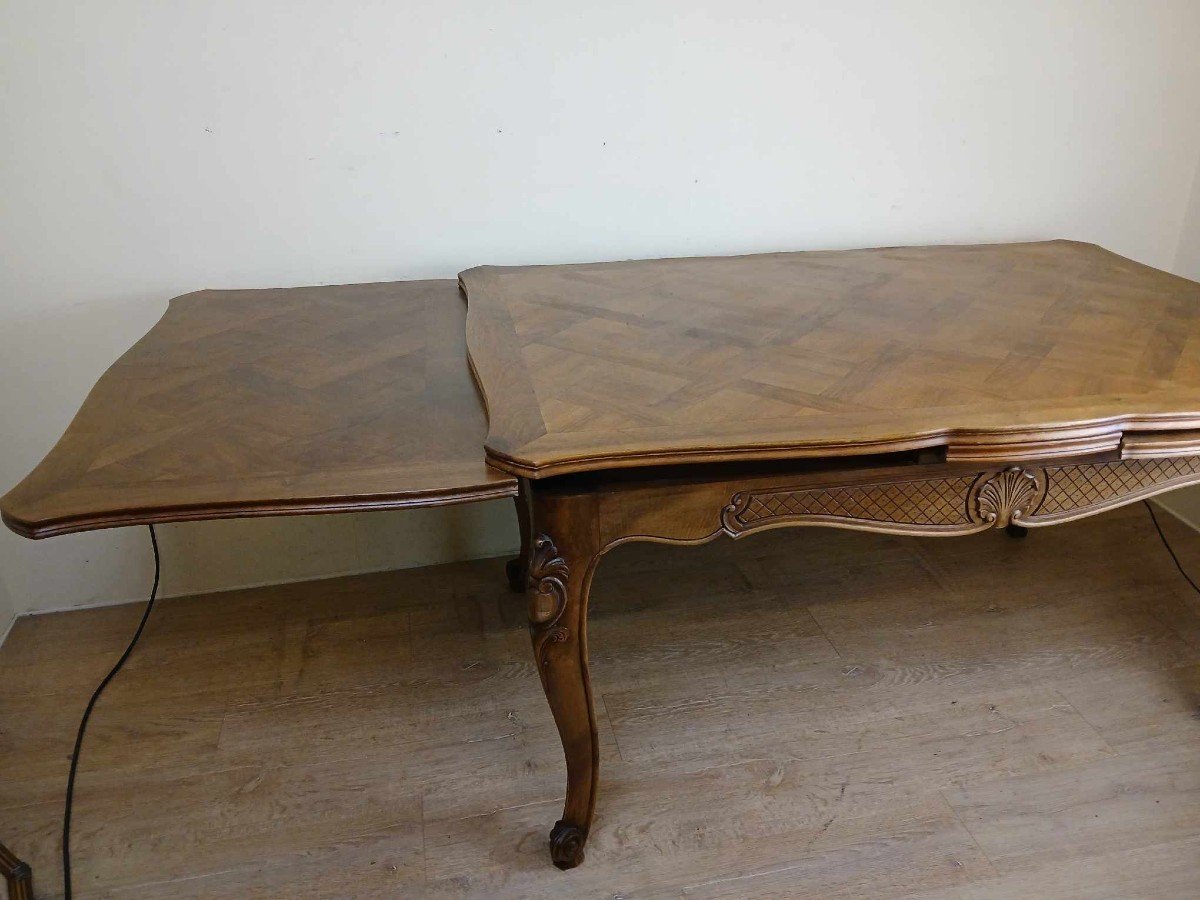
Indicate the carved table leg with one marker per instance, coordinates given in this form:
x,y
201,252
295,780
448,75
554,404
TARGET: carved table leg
x,y
1015,531
17,874
565,552
517,569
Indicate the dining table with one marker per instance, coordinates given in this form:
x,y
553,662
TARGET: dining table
x,y
930,391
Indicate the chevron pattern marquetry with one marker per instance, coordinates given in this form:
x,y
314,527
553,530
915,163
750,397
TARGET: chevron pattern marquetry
x,y
849,351
273,401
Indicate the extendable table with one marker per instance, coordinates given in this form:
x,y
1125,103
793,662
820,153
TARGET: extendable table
x,y
931,391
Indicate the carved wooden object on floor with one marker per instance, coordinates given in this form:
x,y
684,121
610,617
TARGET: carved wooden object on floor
x,y
18,876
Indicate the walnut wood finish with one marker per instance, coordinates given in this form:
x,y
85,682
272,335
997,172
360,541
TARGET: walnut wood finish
x,y
997,352
962,388
929,391
564,557
18,876
579,519
944,499
273,402
954,500
517,570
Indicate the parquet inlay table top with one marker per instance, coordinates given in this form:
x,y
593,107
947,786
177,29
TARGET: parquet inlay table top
x,y
924,391
989,351
272,402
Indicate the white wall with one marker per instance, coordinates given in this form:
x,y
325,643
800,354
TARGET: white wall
x,y
154,148
1187,260
1186,503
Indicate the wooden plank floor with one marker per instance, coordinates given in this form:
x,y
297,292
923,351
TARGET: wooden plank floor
x,y
805,713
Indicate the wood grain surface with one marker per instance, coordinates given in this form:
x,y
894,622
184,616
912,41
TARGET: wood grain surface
x,y
808,713
995,352
273,402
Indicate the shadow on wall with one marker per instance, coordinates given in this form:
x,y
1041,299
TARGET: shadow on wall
x,y
116,565
212,556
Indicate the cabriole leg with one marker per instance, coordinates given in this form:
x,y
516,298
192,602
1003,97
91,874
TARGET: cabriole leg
x,y
517,569
565,551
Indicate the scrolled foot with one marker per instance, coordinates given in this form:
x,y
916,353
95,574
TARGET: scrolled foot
x,y
566,844
515,570
1015,531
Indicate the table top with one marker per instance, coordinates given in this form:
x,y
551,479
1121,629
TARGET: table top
x,y
273,402
328,399
993,351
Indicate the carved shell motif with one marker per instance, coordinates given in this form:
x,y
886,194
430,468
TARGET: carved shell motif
x,y
1006,497
548,574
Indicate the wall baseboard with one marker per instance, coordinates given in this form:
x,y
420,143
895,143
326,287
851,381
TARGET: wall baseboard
x,y
271,582
1184,512
8,629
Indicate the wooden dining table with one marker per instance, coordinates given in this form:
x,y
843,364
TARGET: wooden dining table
x,y
930,391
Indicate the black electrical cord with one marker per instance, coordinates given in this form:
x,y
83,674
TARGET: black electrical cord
x,y
87,713
1167,544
